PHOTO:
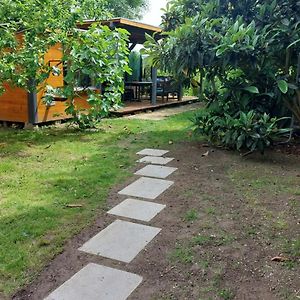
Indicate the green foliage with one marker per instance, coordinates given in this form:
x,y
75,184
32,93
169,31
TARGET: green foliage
x,y
135,66
94,9
248,131
245,53
226,294
99,53
191,215
182,255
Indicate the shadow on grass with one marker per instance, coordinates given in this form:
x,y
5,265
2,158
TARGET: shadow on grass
x,y
78,168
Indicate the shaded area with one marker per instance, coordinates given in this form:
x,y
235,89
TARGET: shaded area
x,y
43,172
226,216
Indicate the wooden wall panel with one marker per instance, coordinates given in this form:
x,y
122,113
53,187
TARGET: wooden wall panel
x,y
14,105
14,102
56,111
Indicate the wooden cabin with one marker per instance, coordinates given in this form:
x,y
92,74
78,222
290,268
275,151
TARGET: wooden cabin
x,y
17,105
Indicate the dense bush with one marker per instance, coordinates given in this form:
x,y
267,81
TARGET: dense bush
x,y
246,131
98,53
243,55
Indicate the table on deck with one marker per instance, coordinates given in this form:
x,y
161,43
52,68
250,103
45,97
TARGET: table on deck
x,y
138,88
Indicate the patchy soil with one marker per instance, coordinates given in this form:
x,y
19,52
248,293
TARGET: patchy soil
x,y
292,148
226,218
162,114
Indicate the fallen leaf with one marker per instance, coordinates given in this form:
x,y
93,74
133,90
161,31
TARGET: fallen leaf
x,y
205,154
74,205
279,259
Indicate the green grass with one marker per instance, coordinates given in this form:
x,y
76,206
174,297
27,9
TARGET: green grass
x,y
226,294
182,255
223,238
44,170
191,215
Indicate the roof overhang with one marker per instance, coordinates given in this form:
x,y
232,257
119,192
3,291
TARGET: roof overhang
x,y
136,29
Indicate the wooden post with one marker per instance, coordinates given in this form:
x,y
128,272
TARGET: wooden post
x,y
154,86
180,95
32,103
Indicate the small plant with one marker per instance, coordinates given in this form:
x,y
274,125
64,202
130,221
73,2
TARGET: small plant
x,y
292,247
191,215
182,254
226,294
202,240
210,210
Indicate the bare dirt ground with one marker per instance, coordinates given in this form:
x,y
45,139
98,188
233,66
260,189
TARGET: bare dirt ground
x,y
226,218
166,112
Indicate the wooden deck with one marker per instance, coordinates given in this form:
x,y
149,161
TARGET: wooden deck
x,y
135,107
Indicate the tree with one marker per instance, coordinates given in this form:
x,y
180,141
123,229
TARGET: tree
x,y
93,9
99,52
245,52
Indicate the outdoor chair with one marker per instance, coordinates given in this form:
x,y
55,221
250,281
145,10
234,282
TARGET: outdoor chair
x,y
167,86
129,94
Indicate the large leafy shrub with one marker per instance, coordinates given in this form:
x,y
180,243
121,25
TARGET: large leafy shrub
x,y
246,131
99,53
243,54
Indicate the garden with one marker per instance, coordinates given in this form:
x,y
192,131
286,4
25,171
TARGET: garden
x,y
230,229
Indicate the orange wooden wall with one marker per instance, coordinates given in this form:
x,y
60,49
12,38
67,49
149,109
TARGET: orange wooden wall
x,y
14,102
14,105
57,110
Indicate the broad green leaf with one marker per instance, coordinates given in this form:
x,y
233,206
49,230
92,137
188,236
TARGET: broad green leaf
x,y
283,86
220,51
292,44
252,89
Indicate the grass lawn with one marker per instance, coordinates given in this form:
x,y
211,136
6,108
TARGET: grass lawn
x,y
42,171
226,215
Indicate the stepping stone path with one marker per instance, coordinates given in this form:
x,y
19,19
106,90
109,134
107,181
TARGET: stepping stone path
x,y
153,152
137,209
156,171
95,282
149,188
122,240
156,160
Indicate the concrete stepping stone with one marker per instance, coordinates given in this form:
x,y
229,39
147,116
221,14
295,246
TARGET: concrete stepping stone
x,y
137,209
121,240
153,152
148,188
155,160
95,282
156,171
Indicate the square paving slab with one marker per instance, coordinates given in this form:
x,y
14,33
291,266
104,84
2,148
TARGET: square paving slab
x,y
120,240
155,160
156,171
153,152
149,188
137,209
96,282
